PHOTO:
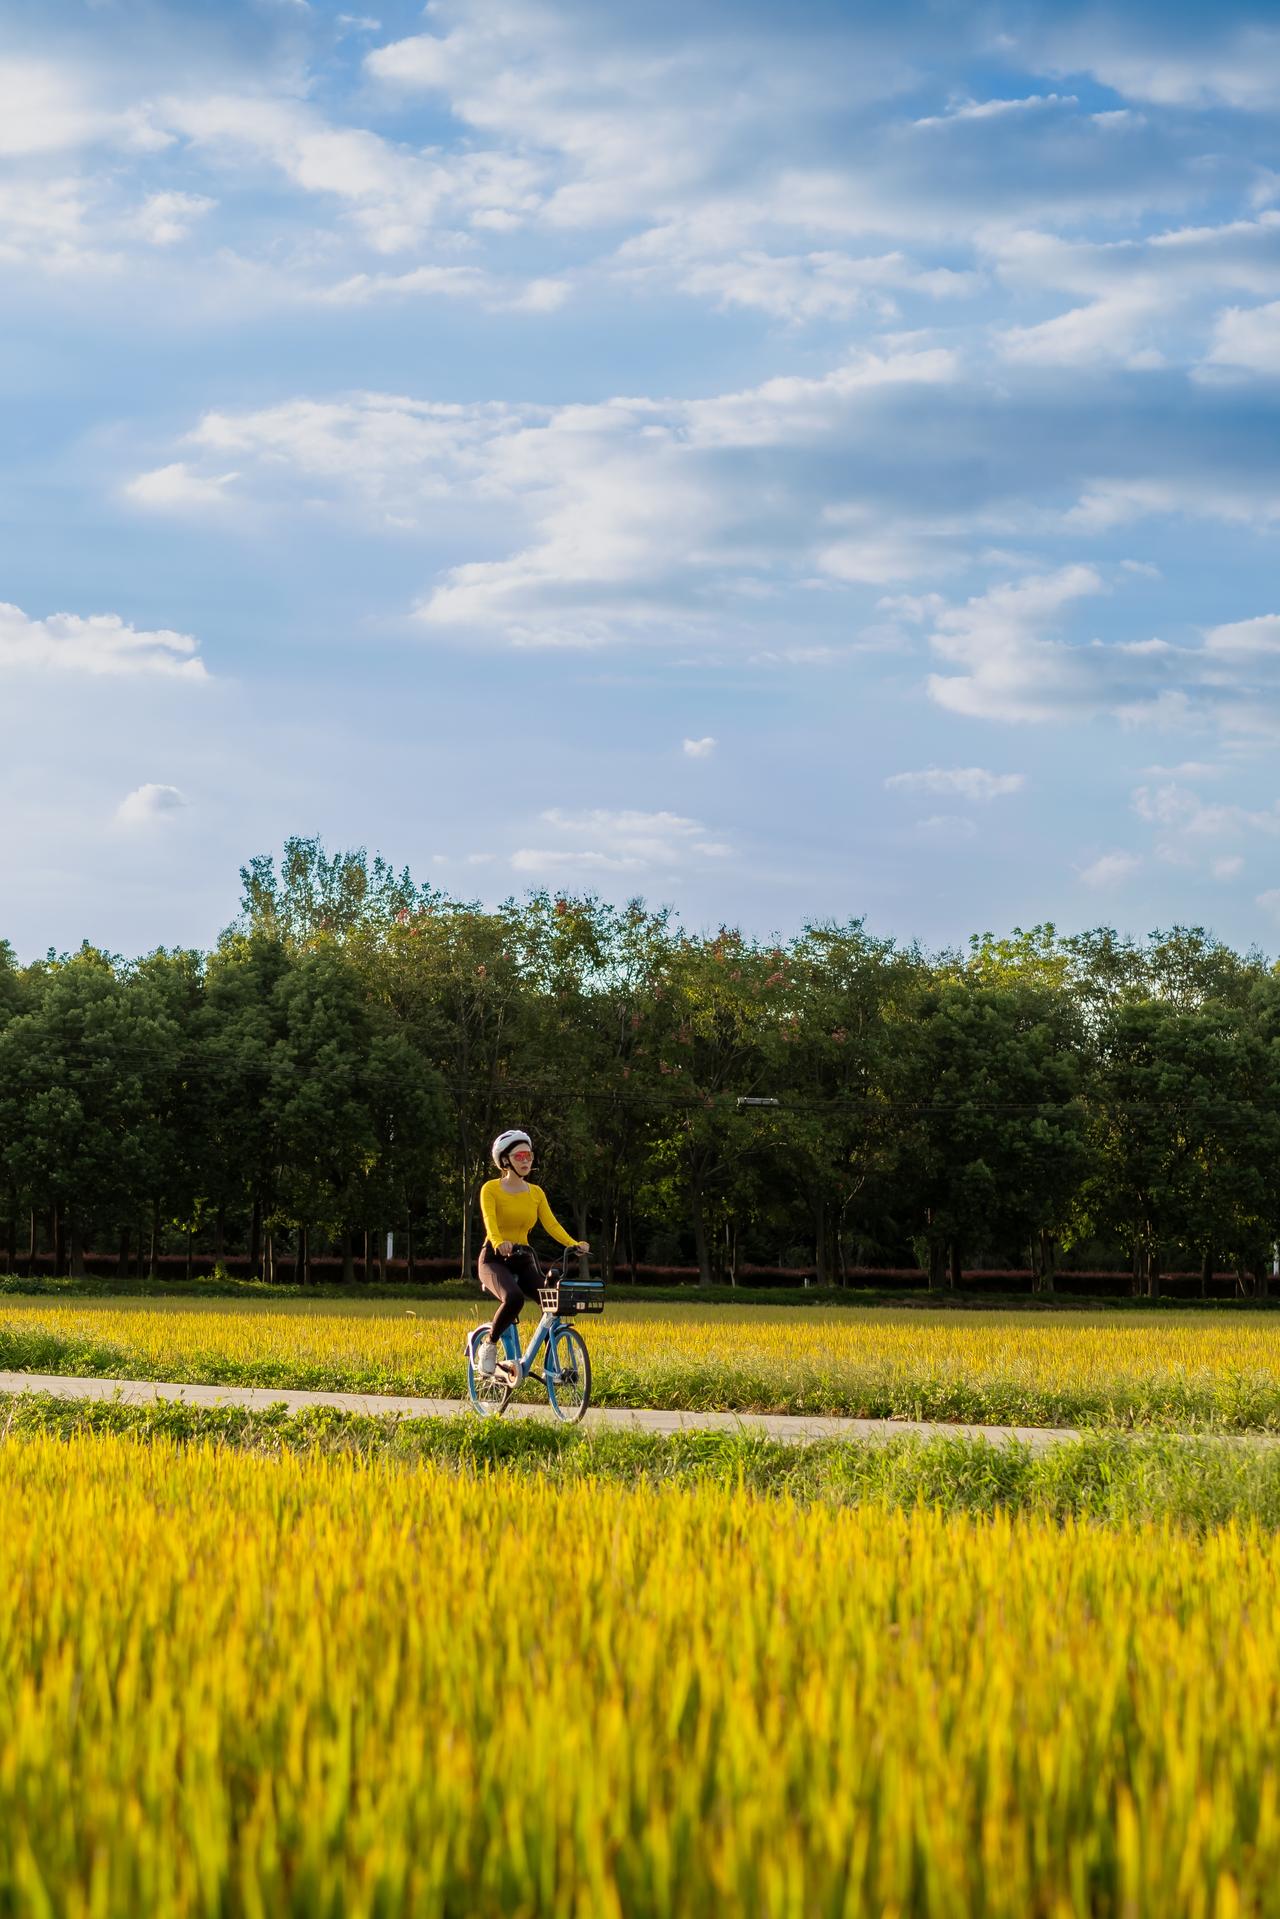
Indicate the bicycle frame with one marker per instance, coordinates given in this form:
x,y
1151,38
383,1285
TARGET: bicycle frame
x,y
546,1325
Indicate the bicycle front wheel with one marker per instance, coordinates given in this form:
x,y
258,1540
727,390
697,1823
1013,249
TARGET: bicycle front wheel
x,y
568,1374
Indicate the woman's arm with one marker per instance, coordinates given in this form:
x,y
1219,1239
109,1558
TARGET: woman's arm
x,y
489,1213
550,1224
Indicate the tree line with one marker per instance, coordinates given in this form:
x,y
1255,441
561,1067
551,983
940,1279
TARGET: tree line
x,y
336,1068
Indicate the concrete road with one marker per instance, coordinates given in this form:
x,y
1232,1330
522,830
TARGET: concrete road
x,y
795,1429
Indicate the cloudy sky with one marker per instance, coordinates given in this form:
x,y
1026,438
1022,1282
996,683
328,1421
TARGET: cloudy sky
x,y
788,461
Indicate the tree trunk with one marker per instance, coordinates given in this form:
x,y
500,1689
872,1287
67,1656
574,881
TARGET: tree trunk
x,y
409,1251
349,1257
220,1236
467,1201
11,1236
700,1240
153,1266
298,1256
75,1244
957,1272
122,1256
59,1244
191,1241
1153,1267
937,1265
1048,1261
33,1243
255,1239
269,1257
821,1251
1206,1272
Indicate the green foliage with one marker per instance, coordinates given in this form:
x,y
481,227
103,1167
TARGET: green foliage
x,y
340,1063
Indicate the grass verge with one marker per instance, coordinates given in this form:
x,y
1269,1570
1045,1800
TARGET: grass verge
x,y
1193,1484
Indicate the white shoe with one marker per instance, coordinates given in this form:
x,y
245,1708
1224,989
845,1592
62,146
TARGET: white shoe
x,y
487,1358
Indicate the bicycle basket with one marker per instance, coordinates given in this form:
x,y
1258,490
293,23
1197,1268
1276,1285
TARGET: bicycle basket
x,y
571,1296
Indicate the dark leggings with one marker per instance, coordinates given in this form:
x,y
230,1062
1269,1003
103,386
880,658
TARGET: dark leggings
x,y
513,1281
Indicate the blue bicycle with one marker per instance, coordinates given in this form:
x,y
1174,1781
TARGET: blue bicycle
x,y
566,1371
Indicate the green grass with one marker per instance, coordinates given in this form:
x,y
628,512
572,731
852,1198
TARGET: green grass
x,y
65,1288
1193,1484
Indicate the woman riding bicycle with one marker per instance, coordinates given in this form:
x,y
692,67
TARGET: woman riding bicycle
x,y
510,1206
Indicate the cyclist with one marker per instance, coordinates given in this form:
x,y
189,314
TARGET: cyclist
x,y
510,1206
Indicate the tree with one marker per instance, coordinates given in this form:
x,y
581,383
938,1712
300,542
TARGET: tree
x,y
993,1128
84,1063
831,1061
1186,1098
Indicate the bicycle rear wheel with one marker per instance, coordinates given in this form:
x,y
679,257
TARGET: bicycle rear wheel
x,y
489,1392
568,1374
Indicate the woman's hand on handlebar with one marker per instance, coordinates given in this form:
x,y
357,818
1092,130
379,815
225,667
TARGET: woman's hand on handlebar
x,y
582,1247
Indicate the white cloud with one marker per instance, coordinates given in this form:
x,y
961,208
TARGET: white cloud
x,y
700,749
175,488
55,224
1228,868
1181,809
1110,503
631,515
965,782
1011,669
789,287
150,802
1142,301
44,108
1230,65
947,827
101,644
393,194
1110,870
623,842
1184,770
166,218
1249,338
1269,901
1245,638
451,283
996,109
1113,332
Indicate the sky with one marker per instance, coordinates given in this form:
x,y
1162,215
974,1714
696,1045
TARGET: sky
x,y
789,462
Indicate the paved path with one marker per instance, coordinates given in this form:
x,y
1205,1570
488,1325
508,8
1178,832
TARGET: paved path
x,y
795,1429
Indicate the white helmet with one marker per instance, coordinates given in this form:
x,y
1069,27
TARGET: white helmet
x,y
505,1141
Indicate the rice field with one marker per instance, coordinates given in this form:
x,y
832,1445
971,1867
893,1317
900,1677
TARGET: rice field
x,y
322,1684
1183,1371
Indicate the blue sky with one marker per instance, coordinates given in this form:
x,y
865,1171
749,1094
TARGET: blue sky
x,y
788,462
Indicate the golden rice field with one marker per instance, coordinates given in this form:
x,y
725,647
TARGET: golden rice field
x,y
233,1685
1185,1371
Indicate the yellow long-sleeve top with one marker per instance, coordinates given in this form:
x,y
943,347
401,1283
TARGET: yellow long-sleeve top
x,y
512,1215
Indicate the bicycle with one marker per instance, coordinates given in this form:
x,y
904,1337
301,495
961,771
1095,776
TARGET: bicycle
x,y
566,1371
